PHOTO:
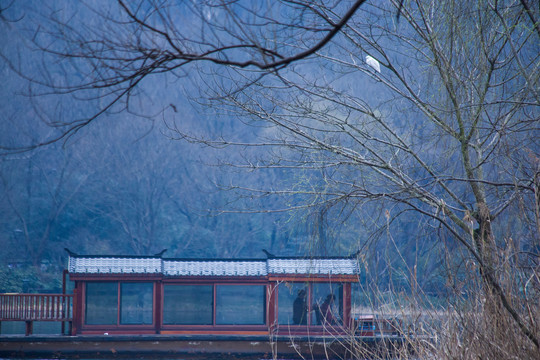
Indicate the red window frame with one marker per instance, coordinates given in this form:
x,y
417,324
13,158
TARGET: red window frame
x,y
118,325
214,327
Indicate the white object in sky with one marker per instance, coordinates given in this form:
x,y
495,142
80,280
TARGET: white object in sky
x,y
373,63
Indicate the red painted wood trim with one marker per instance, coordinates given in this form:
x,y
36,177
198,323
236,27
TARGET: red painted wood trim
x,y
127,328
315,279
213,279
216,332
157,277
198,280
115,277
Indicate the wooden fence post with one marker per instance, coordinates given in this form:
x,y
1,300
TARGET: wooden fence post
x,y
29,327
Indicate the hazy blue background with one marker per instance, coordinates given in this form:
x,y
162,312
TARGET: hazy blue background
x,y
124,184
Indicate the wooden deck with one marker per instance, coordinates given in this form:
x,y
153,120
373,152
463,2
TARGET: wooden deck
x,y
188,346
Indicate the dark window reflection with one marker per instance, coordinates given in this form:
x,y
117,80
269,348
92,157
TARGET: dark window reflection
x,y
188,304
240,304
101,303
136,303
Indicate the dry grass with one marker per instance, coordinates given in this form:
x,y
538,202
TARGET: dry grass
x,y
474,325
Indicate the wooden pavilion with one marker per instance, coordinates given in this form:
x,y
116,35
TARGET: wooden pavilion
x,y
156,295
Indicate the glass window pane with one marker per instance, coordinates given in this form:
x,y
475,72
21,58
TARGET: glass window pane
x,y
101,303
240,304
327,304
188,305
136,303
293,303
361,300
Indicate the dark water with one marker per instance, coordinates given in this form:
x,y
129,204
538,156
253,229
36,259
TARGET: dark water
x,y
40,328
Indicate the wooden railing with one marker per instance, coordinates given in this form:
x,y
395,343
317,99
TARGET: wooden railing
x,y
36,307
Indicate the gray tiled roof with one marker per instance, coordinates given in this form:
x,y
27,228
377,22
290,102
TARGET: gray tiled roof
x,y
313,266
114,265
223,267
214,268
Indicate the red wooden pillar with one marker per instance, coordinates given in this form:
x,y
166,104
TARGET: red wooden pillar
x,y
74,312
77,308
271,307
347,321
158,308
64,303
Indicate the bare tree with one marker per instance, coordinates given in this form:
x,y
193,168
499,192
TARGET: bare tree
x,y
123,44
434,112
33,209
452,134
